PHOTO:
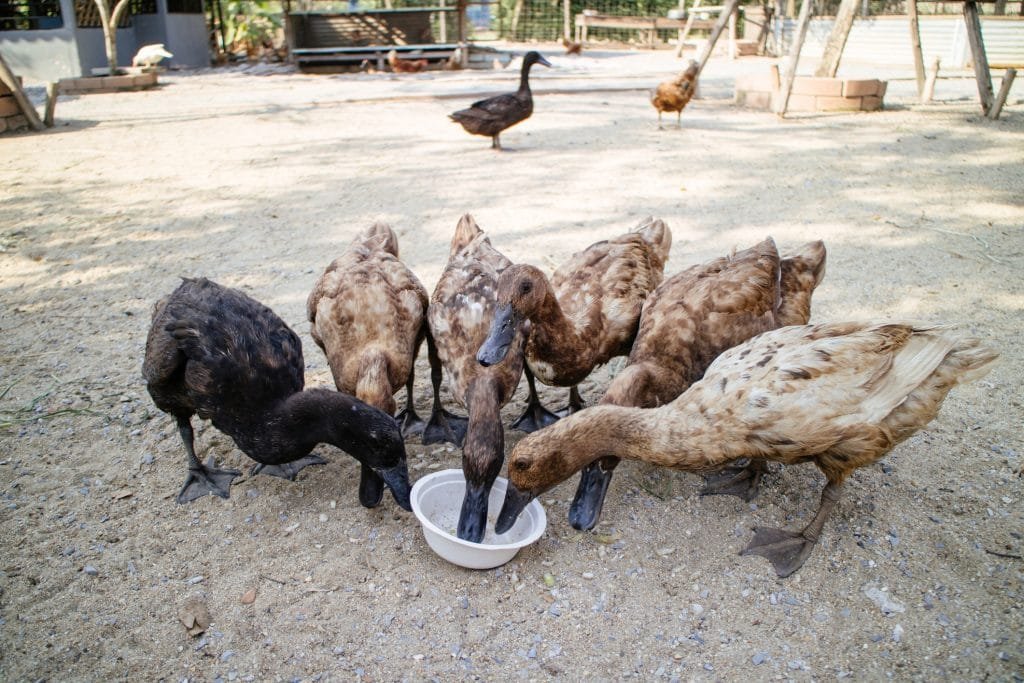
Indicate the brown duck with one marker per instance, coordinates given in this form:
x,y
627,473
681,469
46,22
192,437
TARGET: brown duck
x,y
838,395
461,309
214,352
686,323
493,115
368,313
584,316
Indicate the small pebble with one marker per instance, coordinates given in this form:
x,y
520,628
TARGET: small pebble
x,y
195,579
897,633
759,658
90,570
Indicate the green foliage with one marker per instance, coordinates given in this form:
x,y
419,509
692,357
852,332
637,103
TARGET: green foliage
x,y
252,24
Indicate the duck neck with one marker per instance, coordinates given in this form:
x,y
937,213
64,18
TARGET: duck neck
x,y
681,438
484,449
555,349
314,416
374,384
524,76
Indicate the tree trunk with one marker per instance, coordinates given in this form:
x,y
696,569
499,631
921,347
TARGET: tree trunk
x,y
109,22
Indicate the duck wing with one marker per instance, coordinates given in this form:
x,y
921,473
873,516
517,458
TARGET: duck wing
x,y
220,352
495,114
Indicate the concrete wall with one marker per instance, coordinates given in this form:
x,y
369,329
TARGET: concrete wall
x,y
70,52
45,55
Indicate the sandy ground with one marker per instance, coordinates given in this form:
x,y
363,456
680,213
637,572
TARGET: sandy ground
x,y
258,181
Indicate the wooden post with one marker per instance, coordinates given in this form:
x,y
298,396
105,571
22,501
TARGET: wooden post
x,y
687,26
11,81
723,19
52,91
443,28
837,39
566,19
915,46
929,85
981,72
732,33
794,56
1004,90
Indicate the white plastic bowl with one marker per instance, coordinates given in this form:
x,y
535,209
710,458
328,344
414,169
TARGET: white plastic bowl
x,y
437,501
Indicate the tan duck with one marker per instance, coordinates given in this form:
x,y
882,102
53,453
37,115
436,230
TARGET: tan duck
x,y
675,94
212,351
461,309
584,316
492,116
838,395
368,313
686,323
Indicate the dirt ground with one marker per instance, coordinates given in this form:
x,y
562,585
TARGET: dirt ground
x,y
257,178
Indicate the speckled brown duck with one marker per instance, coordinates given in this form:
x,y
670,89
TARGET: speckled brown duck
x,y
584,316
368,313
495,114
214,352
839,395
461,309
689,320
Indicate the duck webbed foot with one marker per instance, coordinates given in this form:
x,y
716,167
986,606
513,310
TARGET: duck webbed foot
x,y
736,481
206,479
444,426
410,422
788,550
535,417
287,470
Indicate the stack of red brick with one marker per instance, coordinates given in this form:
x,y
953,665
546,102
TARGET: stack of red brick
x,y
813,93
11,118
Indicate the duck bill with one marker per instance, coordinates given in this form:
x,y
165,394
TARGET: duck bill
x,y
515,502
473,517
397,479
586,507
499,339
541,60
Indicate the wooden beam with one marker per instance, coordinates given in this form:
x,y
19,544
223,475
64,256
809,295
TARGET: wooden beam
x,y
981,72
52,90
11,81
915,46
837,39
782,102
686,27
929,85
1004,91
723,19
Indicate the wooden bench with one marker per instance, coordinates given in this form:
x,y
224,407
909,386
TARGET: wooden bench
x,y
326,56
650,25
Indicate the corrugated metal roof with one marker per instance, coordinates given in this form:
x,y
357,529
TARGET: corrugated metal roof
x,y
886,40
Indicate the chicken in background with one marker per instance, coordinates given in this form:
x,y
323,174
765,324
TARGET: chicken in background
x,y
407,66
674,95
571,47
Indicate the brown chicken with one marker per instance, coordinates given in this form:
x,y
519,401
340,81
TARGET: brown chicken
x,y
405,66
572,47
674,95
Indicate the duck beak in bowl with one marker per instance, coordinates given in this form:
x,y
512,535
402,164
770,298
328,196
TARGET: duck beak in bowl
x,y
473,517
515,502
397,479
503,331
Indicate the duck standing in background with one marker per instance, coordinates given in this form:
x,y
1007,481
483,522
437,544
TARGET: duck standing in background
x,y
460,312
493,115
839,395
583,317
689,320
212,351
368,313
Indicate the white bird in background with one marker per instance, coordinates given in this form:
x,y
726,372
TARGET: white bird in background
x,y
150,55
